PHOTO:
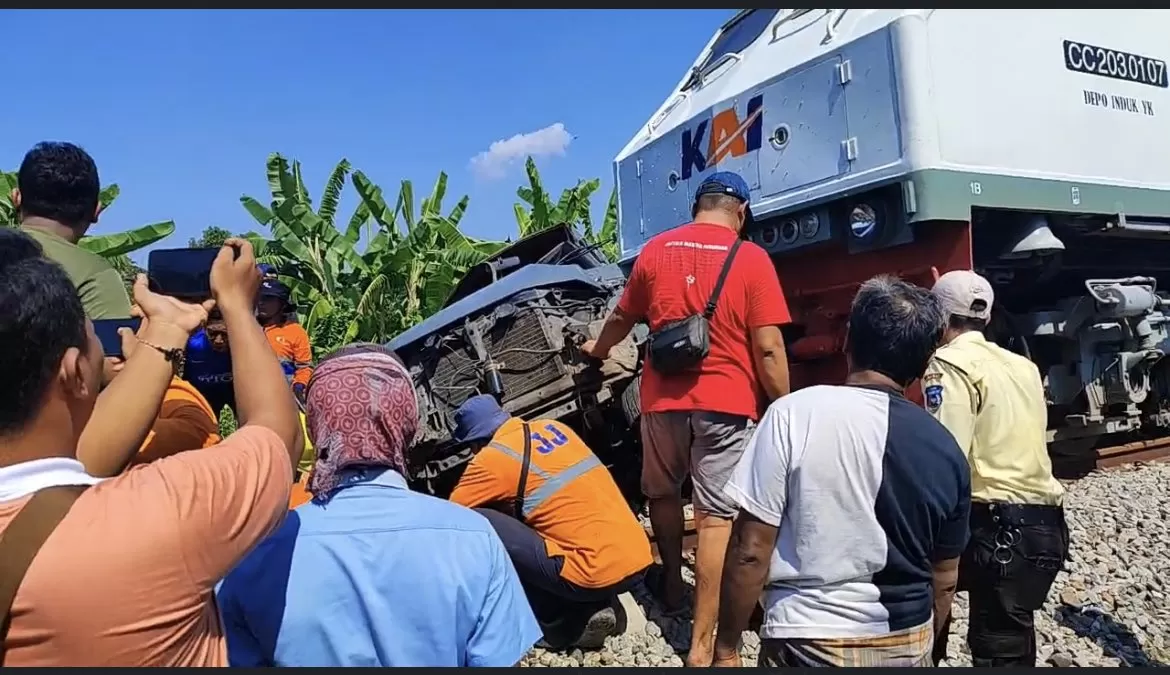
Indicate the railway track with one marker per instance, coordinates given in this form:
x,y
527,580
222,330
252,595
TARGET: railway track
x,y
1075,465
1102,459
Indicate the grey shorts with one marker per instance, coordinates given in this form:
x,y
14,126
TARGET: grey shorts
x,y
707,445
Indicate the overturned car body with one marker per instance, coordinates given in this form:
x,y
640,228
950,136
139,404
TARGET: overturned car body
x,y
512,328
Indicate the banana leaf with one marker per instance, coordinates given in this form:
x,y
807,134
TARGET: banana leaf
x,y
121,243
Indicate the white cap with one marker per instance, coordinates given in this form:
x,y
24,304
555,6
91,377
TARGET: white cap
x,y
964,293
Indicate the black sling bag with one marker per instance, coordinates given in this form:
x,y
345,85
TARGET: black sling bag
x,y
681,345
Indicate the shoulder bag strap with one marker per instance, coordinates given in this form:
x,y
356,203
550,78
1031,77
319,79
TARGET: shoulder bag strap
x,y
710,311
522,487
22,540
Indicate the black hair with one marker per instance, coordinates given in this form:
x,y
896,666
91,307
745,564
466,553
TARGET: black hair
x,y
40,318
59,181
966,323
894,327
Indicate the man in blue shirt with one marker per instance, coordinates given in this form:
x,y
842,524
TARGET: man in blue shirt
x,y
371,573
209,364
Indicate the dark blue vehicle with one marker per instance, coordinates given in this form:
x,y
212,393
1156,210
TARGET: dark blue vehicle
x,y
512,327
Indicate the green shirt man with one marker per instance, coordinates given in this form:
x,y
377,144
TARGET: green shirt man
x,y
58,197
102,292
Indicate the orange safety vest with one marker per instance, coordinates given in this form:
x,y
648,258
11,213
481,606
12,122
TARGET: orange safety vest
x,y
570,499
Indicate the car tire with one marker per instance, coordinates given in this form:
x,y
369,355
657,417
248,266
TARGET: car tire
x,y
632,401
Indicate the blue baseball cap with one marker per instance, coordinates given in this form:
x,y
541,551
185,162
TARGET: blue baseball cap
x,y
727,183
272,288
478,419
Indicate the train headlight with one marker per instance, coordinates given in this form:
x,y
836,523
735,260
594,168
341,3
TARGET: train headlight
x,y
768,235
863,220
810,223
789,231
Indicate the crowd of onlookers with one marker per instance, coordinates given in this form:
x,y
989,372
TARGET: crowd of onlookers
x,y
132,534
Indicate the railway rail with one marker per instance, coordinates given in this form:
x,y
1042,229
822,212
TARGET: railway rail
x,y
1102,459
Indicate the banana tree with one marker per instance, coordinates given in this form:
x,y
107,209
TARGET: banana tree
x,y
321,268
539,212
375,292
105,245
605,238
418,266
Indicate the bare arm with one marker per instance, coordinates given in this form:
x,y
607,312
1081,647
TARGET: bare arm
x,y
263,397
759,485
745,569
630,309
126,410
771,361
617,326
948,548
945,579
767,310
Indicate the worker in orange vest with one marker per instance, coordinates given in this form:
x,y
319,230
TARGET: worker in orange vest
x,y
277,314
572,538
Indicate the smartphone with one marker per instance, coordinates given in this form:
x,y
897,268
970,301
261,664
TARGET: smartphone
x,y
107,333
181,272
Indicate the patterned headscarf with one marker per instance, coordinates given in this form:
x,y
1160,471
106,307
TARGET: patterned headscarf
x,y
361,411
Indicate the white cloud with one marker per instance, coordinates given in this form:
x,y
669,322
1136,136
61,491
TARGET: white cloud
x,y
493,163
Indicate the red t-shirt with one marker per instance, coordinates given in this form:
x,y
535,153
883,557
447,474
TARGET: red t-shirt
x,y
672,279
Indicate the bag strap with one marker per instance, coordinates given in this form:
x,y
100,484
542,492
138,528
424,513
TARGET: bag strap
x,y
23,539
522,487
710,311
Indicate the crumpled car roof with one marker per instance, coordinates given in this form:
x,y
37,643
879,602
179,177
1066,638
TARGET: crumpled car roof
x,y
525,278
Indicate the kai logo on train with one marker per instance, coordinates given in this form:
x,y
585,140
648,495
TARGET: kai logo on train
x,y
729,136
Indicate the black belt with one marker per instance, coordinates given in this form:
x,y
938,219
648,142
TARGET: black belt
x,y
1018,515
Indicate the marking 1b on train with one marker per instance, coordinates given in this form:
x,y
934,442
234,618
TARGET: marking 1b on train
x,y
1118,65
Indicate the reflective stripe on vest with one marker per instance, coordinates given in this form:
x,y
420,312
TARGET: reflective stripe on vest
x,y
553,482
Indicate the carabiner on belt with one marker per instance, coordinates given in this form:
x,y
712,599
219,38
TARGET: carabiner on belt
x,y
1005,540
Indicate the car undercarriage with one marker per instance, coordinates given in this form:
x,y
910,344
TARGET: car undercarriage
x,y
513,328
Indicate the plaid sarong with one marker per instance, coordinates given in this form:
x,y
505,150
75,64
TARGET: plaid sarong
x,y
909,648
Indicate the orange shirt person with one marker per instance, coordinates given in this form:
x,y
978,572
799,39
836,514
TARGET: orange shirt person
x,y
287,337
185,422
575,543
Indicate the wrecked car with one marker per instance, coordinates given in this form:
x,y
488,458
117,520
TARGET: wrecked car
x,y
513,327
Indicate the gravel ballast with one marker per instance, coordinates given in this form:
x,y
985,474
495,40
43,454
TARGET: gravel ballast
x,y
1108,609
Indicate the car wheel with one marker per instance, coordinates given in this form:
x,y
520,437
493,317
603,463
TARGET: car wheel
x,y
632,401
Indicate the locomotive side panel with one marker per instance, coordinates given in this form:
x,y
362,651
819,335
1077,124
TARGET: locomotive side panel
x,y
820,128
1074,95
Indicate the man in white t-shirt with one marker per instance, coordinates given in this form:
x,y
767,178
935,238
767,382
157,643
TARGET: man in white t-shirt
x,y
853,505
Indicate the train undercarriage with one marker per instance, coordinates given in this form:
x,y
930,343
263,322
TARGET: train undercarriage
x,y
1079,295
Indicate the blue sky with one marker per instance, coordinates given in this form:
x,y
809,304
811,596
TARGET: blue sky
x,y
182,108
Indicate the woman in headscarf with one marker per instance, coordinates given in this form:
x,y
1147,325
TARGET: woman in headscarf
x,y
370,573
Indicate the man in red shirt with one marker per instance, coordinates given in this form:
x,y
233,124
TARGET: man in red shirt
x,y
699,421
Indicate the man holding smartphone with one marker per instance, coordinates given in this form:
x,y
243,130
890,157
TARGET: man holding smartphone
x,y
158,538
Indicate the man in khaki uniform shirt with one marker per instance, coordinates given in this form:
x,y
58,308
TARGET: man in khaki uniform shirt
x,y
993,402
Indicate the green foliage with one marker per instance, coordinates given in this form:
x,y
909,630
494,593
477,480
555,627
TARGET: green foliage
x,y
574,208
402,274
105,245
212,237
121,243
128,270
